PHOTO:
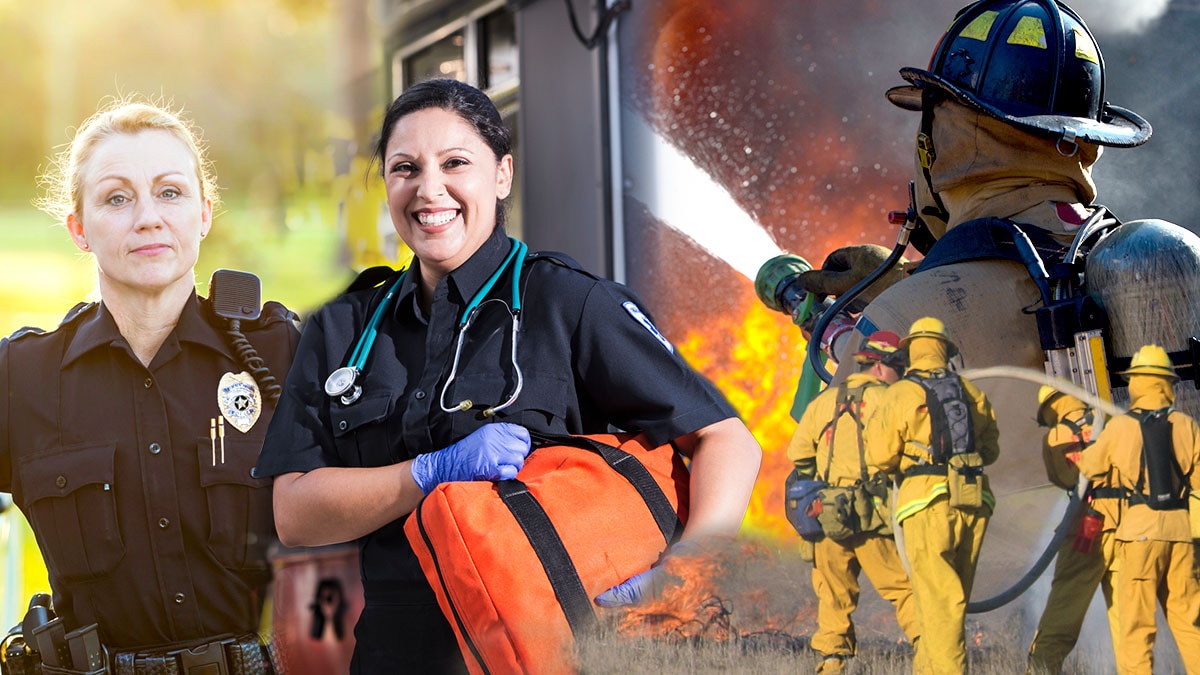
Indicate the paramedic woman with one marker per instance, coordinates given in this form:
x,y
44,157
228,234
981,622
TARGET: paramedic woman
x,y
423,407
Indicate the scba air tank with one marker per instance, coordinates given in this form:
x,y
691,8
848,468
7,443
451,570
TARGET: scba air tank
x,y
1146,276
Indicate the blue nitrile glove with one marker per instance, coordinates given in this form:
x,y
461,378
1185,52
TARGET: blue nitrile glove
x,y
491,452
648,584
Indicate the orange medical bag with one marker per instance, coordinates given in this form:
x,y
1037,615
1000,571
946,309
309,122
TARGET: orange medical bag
x,y
515,563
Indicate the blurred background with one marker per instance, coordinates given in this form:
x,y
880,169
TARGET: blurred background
x,y
676,148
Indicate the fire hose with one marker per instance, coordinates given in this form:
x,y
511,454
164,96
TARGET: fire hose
x,y
1074,497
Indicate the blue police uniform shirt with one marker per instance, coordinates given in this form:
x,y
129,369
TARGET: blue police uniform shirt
x,y
590,364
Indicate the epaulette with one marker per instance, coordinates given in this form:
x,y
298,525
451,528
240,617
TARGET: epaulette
x,y
26,331
22,332
370,278
273,311
76,312
560,259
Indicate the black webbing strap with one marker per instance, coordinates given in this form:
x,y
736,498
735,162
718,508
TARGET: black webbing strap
x,y
924,470
544,539
1110,493
633,471
556,562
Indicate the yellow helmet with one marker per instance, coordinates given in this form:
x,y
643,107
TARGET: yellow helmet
x,y
1046,394
1151,360
930,327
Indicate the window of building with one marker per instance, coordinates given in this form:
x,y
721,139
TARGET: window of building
x,y
479,47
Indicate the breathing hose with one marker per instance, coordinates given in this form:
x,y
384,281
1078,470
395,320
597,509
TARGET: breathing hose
x,y
814,342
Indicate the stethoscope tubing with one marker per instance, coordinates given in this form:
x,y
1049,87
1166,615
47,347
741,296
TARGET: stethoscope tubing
x,y
342,382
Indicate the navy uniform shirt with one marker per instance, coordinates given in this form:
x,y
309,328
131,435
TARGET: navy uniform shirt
x,y
590,358
142,529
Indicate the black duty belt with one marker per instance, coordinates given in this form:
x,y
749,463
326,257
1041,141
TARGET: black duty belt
x,y
243,655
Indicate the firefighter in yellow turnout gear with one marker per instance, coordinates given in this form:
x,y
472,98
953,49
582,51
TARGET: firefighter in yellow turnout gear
x,y
1077,573
937,439
1155,549
828,445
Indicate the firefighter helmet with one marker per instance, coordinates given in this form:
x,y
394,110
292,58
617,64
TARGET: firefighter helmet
x,y
1046,395
878,346
1030,63
931,327
1151,360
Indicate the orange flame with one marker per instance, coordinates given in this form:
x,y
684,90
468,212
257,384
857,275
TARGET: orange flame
x,y
759,377
716,595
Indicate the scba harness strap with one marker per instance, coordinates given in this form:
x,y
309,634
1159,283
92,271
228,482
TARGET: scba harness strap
x,y
951,430
1167,486
849,403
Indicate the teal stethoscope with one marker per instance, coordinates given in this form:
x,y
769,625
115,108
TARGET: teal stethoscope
x,y
342,382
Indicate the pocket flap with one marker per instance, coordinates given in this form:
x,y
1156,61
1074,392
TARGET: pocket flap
x,y
367,410
62,472
234,468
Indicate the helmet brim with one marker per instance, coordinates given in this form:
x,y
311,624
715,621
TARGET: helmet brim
x,y
1127,129
1157,371
951,348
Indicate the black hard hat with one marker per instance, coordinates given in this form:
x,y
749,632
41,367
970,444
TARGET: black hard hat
x,y
1030,63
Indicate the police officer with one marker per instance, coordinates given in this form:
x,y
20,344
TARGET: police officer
x,y
435,400
1082,562
828,444
1154,550
128,434
937,430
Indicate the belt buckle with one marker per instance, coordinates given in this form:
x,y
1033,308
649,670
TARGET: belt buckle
x,y
206,659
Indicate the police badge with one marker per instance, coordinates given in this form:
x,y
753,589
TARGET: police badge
x,y
239,400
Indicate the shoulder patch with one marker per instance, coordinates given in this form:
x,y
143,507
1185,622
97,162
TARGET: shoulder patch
x,y
644,320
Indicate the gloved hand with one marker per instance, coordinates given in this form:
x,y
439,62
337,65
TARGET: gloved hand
x,y
491,452
849,265
648,584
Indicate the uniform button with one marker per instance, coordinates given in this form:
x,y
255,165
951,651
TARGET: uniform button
x,y
342,425
164,522
61,482
155,448
419,395
179,598
149,383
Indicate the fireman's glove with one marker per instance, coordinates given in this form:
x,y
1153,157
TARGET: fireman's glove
x,y
491,452
648,584
849,265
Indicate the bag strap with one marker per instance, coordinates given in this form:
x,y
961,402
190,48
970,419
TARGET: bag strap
x,y
556,562
548,546
632,470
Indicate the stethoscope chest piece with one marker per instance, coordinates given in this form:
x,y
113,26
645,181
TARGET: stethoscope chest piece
x,y
341,382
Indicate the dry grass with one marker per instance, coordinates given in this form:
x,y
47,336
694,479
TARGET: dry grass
x,y
756,616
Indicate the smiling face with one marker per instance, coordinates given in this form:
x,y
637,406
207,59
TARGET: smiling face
x,y
443,184
142,213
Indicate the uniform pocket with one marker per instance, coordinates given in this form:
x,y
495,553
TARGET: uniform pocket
x,y
72,507
370,409
240,521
